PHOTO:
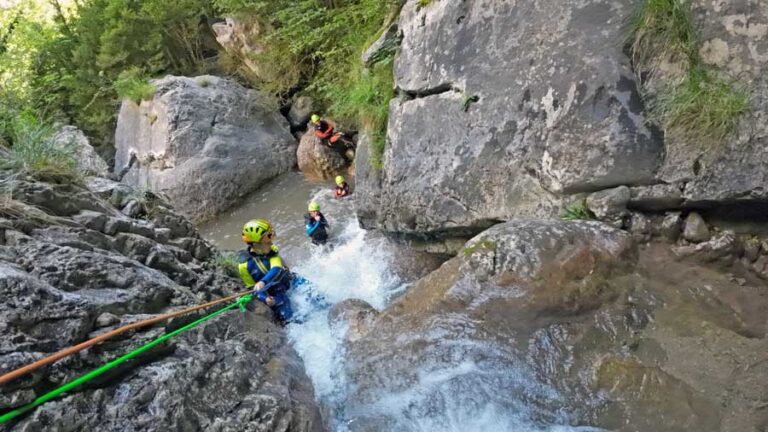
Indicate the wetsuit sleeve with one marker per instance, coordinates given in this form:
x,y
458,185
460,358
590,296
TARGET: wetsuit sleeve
x,y
276,269
312,225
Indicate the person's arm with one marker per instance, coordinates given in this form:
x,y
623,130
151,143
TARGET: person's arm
x,y
312,226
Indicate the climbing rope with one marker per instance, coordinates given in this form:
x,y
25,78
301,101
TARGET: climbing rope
x,y
241,302
93,374
81,346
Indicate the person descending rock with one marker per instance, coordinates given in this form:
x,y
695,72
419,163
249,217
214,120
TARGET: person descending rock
x,y
316,224
342,187
324,130
261,268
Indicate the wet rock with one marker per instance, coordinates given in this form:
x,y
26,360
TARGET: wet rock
x,y
656,197
637,393
751,249
189,141
725,246
671,225
356,316
610,205
317,160
695,229
88,161
641,227
300,111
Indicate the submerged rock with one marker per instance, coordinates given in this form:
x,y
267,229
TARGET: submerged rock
x,y
205,142
565,323
65,278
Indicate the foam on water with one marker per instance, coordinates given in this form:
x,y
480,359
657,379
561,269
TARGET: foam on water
x,y
460,395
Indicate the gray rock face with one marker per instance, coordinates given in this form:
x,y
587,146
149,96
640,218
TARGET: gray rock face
x,y
317,160
695,229
656,197
205,142
558,112
67,277
88,161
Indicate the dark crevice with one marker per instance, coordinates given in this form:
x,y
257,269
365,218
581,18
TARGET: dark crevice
x,y
439,89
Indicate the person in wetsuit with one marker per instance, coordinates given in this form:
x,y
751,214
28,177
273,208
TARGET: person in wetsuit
x,y
316,224
342,187
262,269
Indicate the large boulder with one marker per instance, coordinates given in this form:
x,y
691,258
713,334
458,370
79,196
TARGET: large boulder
x,y
318,161
505,109
205,142
71,272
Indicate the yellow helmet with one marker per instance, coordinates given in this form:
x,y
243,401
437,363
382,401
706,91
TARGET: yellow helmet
x,y
315,118
255,229
339,180
313,206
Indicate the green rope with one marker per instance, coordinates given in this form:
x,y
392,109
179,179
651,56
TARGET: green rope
x,y
94,373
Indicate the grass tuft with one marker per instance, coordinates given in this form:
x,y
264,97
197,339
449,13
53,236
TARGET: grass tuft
x,y
228,262
703,107
34,152
578,211
662,29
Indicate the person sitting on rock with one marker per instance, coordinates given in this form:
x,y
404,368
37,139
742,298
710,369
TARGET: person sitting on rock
x,y
342,187
324,130
261,268
316,224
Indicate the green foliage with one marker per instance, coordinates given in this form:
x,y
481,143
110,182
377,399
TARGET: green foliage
x,y
228,262
487,245
701,106
317,45
367,100
33,151
704,107
79,65
424,3
130,84
578,211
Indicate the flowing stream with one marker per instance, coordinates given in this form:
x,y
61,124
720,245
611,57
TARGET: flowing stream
x,y
358,267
